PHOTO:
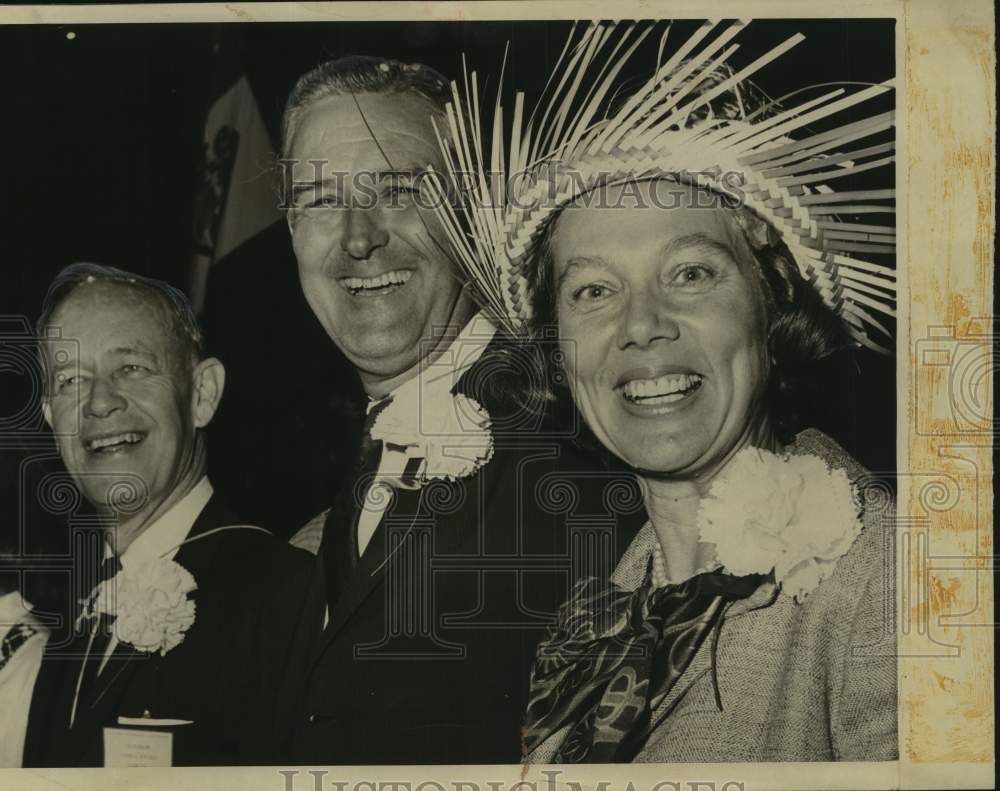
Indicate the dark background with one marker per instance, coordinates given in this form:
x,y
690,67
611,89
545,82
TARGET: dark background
x,y
102,136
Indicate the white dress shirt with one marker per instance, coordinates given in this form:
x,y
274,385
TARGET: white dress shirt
x,y
162,538
17,679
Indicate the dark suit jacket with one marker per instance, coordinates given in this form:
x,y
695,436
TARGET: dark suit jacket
x,y
250,587
431,637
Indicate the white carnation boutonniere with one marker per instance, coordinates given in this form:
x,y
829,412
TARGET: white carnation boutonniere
x,y
149,603
451,433
792,515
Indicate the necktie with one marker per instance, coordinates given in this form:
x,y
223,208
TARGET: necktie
x,y
17,636
102,632
340,539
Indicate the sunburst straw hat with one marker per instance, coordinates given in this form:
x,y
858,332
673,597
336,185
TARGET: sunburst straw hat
x,y
688,122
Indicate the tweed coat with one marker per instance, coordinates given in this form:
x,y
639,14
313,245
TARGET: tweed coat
x,y
797,682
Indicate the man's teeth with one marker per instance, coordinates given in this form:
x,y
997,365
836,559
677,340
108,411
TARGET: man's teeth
x,y
663,389
127,438
356,284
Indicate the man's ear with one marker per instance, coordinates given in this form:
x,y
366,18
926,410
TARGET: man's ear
x,y
209,380
289,223
47,411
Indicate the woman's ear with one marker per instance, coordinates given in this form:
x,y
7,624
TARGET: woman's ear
x,y
787,270
209,380
756,231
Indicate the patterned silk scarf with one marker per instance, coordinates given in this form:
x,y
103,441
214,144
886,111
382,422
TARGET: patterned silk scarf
x,y
613,657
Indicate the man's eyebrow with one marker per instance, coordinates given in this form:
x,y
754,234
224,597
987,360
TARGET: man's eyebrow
x,y
335,184
133,351
701,240
118,351
578,262
413,172
314,186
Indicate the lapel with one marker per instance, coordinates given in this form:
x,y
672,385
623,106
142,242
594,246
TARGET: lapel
x,y
98,707
628,575
411,509
369,574
764,596
200,556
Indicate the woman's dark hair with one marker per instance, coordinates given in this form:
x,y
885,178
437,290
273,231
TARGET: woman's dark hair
x,y
802,330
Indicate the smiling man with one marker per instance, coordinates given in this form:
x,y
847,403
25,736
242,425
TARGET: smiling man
x,y
370,262
446,551
176,646
128,407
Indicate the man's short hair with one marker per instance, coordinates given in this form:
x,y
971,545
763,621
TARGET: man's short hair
x,y
361,74
182,323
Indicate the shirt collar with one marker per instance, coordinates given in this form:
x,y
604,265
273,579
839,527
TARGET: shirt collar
x,y
164,536
462,353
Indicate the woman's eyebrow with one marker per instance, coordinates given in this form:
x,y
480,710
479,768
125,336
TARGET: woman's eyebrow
x,y
701,240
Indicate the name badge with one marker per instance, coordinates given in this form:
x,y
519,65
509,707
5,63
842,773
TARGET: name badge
x,y
132,747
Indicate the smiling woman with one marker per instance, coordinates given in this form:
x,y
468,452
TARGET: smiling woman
x,y
690,270
630,285
758,320
670,325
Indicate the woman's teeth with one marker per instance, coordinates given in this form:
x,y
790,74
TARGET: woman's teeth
x,y
662,390
372,286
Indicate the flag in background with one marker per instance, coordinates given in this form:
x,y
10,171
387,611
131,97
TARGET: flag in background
x,y
236,194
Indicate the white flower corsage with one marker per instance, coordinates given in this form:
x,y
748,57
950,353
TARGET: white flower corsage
x,y
149,602
451,433
792,515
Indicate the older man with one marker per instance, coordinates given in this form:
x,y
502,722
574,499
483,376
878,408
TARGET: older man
x,y
448,550
176,646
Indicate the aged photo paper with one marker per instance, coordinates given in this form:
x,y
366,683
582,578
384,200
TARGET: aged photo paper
x,y
945,216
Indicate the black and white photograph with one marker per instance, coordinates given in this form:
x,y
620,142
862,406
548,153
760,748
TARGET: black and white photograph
x,y
478,388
